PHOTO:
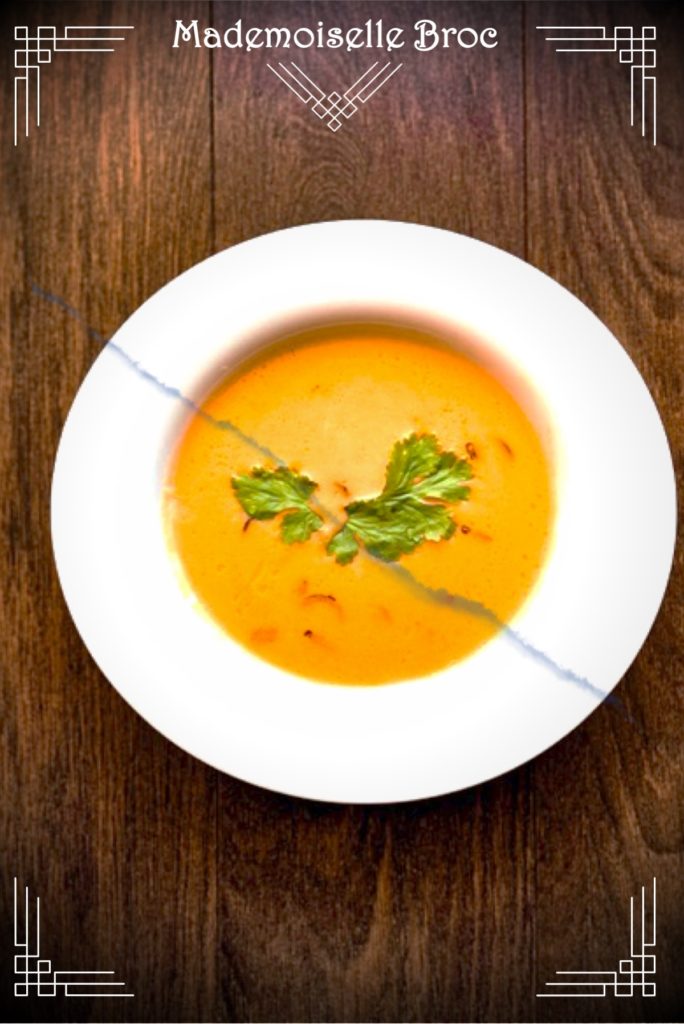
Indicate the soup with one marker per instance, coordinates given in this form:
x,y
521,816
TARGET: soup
x,y
333,406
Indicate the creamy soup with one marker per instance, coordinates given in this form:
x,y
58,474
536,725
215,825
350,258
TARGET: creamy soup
x,y
331,404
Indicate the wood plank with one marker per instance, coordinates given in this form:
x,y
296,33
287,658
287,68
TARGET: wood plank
x,y
111,825
605,219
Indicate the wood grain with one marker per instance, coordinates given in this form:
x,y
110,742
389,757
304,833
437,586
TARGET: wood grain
x,y
604,218
110,824
212,899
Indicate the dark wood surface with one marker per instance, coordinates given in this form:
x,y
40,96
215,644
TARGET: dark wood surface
x,y
212,899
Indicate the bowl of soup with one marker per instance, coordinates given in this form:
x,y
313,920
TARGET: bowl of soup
x,y
342,511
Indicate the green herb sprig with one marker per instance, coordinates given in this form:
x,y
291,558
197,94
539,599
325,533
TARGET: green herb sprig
x,y
264,493
421,480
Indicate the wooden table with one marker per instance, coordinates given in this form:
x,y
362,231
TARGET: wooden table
x,y
212,899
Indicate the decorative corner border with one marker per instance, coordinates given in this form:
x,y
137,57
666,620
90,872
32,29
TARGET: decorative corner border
x,y
634,49
38,49
38,974
639,965
331,107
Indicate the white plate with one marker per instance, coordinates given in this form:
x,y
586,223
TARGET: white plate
x,y
590,611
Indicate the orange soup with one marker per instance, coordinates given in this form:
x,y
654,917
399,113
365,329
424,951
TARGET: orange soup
x,y
330,405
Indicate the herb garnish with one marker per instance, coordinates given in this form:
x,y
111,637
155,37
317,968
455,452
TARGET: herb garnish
x,y
420,477
267,492
420,481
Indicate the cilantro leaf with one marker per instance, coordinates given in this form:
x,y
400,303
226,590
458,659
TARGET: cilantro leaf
x,y
344,545
445,482
298,526
420,478
264,493
415,456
